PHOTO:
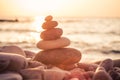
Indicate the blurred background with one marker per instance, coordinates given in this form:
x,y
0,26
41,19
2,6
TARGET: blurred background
x,y
93,26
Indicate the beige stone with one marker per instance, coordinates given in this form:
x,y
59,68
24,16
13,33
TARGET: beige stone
x,y
53,44
51,34
59,56
49,24
13,49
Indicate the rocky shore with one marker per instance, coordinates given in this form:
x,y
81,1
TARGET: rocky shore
x,y
55,60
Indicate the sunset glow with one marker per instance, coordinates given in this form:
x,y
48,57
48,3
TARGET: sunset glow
x,y
39,6
78,8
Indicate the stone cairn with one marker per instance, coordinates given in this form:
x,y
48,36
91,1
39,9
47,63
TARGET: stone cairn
x,y
54,47
19,64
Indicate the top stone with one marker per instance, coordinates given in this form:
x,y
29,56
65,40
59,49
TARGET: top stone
x,y
48,18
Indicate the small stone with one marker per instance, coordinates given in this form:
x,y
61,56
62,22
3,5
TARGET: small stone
x,y
65,56
48,18
72,79
33,64
76,74
116,63
53,44
13,49
29,54
32,73
51,34
12,62
107,64
89,74
54,74
101,74
10,76
49,24
66,67
115,73
4,64
87,66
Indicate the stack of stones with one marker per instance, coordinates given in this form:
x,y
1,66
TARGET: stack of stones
x,y
54,48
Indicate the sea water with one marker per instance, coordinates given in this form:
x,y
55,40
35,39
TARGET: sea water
x,y
96,38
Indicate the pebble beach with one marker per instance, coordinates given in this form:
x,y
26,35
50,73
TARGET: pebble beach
x,y
54,56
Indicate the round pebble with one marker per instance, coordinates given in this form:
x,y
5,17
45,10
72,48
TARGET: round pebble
x,y
32,73
12,62
48,18
65,56
51,34
54,74
33,64
13,49
76,74
4,64
53,44
49,24
116,62
107,64
115,73
101,74
67,67
87,66
29,54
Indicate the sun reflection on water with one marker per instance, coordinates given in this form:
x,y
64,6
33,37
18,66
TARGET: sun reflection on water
x,y
36,24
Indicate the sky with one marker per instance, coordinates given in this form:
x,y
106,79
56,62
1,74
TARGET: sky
x,y
69,8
